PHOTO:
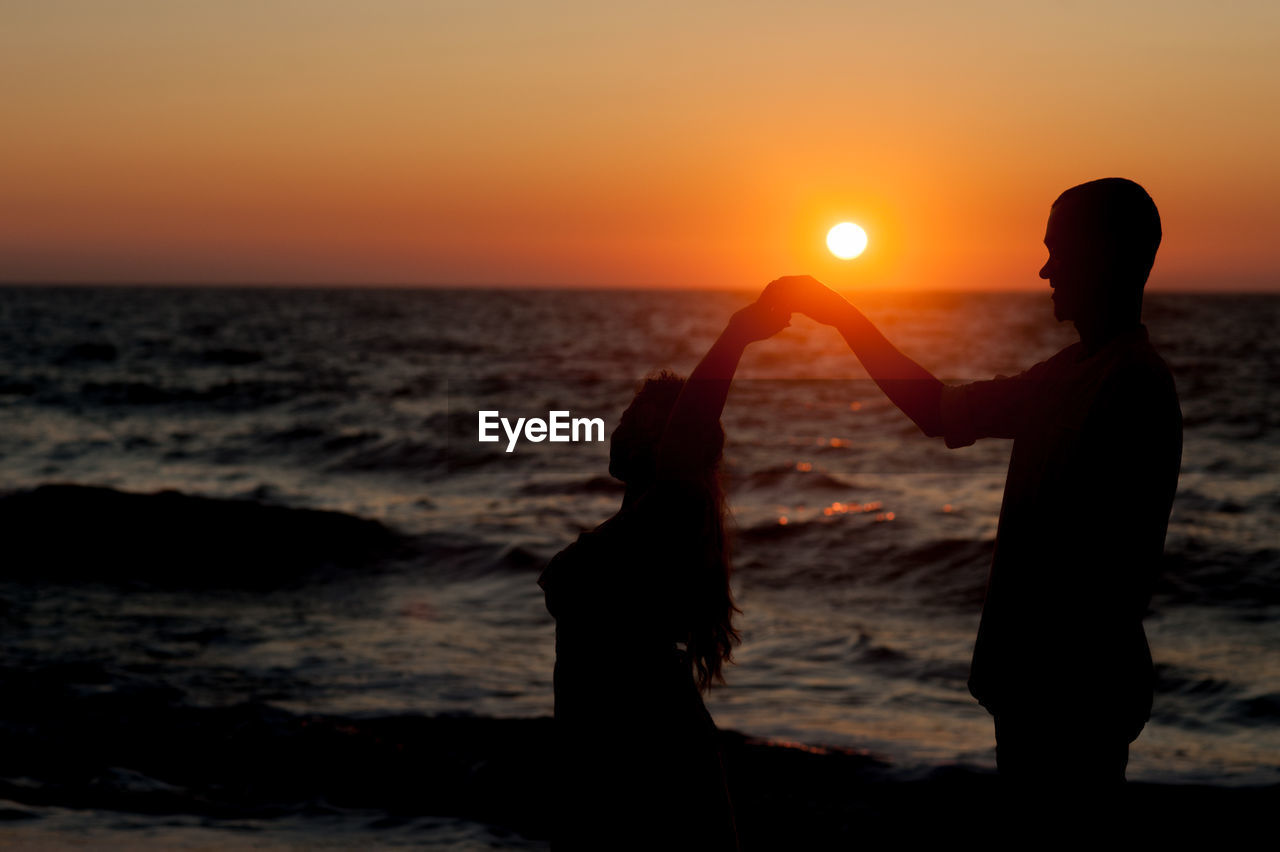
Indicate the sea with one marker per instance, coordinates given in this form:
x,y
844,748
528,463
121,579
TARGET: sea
x,y
233,511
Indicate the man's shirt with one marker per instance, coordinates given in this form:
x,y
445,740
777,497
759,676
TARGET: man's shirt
x,y
1096,453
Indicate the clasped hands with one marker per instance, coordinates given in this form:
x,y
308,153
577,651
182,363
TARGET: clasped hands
x,y
806,295
771,312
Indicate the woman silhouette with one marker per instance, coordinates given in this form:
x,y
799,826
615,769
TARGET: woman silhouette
x,y
644,624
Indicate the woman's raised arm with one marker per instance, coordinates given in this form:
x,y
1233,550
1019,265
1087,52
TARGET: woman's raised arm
x,y
693,427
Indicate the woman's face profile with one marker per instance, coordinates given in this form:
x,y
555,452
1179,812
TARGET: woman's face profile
x,y
632,442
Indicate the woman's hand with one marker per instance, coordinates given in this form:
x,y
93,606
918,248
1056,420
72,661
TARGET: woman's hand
x,y
757,321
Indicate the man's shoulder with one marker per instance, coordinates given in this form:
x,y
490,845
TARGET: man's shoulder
x,y
1138,366
1056,364
1138,387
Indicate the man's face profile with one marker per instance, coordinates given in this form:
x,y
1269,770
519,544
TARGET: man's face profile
x,y
1073,266
1102,238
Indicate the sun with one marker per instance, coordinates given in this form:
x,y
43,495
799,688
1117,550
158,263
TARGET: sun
x,y
846,240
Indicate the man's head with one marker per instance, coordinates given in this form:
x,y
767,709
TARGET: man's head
x,y
1102,238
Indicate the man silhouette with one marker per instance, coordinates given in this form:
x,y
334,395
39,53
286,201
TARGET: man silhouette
x,y
1061,660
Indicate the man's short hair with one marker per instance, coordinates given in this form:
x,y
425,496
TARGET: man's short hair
x,y
1116,217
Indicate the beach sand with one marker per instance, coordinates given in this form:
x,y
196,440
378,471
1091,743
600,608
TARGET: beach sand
x,y
249,767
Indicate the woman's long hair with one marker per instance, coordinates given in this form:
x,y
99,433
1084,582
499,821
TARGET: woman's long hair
x,y
707,606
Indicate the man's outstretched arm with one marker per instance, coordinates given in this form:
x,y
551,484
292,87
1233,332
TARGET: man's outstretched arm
x,y
908,385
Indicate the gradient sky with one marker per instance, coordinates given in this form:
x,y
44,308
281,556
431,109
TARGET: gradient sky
x,y
686,144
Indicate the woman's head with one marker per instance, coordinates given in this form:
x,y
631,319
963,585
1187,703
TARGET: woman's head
x,y
634,444
705,601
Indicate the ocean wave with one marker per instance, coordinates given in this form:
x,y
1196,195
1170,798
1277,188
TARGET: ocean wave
x,y
1194,572
950,573
18,387
454,346
146,751
228,356
169,539
401,455
308,435
896,662
459,556
225,395
62,533
139,747
1257,709
460,424
577,485
420,387
92,351
1193,698
801,474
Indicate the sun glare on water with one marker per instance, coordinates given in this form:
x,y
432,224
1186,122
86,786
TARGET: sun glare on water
x,y
846,240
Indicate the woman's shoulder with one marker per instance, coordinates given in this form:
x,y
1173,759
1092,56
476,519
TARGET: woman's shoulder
x,y
579,549
578,569
667,503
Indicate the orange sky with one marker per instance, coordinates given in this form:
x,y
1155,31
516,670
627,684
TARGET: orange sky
x,y
689,144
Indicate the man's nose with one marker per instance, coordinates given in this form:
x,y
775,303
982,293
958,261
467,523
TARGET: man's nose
x,y
1044,271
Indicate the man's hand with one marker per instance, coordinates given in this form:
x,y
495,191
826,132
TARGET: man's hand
x,y
808,296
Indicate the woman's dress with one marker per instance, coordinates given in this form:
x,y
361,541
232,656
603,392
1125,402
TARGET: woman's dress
x,y
638,762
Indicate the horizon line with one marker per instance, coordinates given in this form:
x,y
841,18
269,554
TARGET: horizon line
x,y
347,285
